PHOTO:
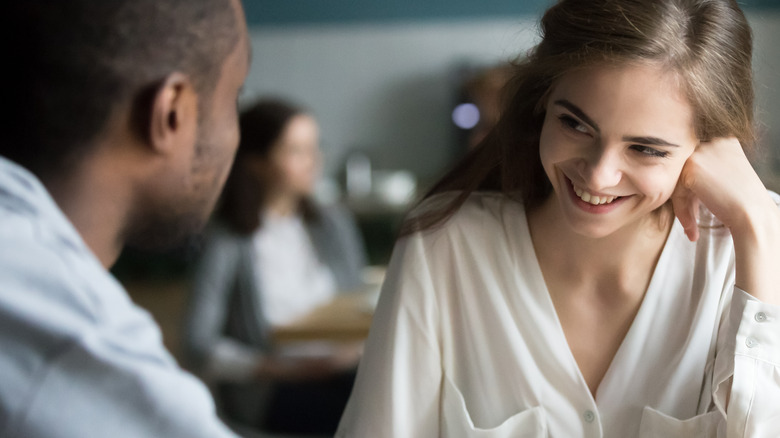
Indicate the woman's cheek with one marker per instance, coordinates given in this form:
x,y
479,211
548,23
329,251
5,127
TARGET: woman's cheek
x,y
669,184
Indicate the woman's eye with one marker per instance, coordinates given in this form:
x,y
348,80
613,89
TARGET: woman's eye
x,y
573,124
645,150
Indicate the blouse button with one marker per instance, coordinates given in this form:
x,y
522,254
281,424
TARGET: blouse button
x,y
589,416
750,342
761,317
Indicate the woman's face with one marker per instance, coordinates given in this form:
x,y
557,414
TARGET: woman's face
x,y
295,158
613,144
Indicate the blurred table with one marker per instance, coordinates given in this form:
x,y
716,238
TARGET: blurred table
x,y
346,318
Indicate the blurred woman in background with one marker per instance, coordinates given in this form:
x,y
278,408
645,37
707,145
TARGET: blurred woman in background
x,y
273,256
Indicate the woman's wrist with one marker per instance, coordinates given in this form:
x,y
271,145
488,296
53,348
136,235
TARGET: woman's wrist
x,y
757,252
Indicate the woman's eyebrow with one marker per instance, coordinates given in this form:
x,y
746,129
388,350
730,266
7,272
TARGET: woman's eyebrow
x,y
577,111
652,141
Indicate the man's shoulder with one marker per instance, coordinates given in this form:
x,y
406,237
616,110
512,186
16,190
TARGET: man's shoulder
x,y
71,335
48,273
39,278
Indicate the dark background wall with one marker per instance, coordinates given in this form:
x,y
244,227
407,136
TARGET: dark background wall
x,y
283,12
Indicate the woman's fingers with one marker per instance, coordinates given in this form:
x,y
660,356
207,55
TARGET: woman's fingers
x,y
686,208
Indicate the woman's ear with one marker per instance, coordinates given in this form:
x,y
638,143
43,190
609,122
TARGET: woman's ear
x,y
174,113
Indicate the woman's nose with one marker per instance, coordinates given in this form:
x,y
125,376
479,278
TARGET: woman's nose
x,y
602,169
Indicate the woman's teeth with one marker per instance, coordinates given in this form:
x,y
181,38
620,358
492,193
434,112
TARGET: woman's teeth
x,y
594,200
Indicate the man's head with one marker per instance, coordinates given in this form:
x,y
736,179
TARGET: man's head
x,y
162,75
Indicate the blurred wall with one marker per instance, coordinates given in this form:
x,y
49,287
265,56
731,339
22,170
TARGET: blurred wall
x,y
766,65
383,88
384,83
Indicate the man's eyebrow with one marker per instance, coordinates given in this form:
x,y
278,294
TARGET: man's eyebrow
x,y
578,112
652,141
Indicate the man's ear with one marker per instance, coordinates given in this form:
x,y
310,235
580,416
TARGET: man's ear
x,y
174,113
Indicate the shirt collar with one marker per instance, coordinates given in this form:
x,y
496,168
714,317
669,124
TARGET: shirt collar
x,y
22,191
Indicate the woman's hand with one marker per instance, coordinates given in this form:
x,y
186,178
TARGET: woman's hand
x,y
719,175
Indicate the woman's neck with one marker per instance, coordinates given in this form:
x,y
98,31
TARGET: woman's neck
x,y
622,261
282,205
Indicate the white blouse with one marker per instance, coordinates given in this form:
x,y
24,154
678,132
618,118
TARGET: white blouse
x,y
293,279
466,343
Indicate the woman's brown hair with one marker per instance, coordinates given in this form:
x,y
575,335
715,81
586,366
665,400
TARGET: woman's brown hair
x,y
707,44
261,127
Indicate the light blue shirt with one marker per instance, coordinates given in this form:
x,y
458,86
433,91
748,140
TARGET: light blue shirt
x,y
77,357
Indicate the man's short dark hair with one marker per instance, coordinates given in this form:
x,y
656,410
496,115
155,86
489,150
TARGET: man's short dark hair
x,y
71,61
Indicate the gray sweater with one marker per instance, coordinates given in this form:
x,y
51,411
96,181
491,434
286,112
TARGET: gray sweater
x,y
224,306
224,321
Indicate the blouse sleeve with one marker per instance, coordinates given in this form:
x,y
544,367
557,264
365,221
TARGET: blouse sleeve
x,y
212,354
396,393
746,378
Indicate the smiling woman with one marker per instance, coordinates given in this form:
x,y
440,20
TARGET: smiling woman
x,y
617,134
556,282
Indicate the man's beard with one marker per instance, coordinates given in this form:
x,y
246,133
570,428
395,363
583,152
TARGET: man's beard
x,y
165,230
174,224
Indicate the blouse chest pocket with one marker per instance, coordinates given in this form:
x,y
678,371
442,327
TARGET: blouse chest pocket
x,y
456,422
655,424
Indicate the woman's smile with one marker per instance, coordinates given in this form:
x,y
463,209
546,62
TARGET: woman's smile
x,y
593,202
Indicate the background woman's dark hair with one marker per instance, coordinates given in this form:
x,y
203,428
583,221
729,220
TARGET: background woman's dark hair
x,y
706,44
261,126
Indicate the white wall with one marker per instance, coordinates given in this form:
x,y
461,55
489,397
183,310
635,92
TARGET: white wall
x,y
387,88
